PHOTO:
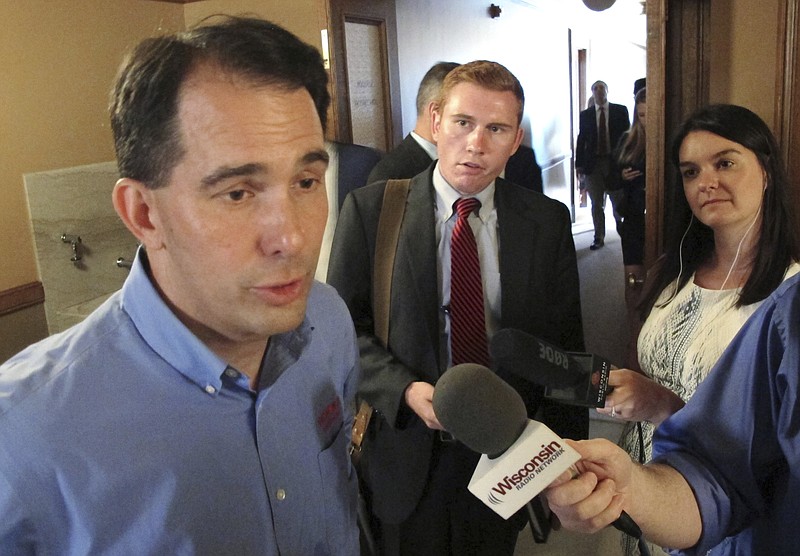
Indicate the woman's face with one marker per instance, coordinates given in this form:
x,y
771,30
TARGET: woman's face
x,y
723,181
641,113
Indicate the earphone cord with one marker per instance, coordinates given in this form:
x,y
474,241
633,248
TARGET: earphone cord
x,y
739,247
680,262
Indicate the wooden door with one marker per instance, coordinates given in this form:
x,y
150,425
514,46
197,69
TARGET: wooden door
x,y
364,72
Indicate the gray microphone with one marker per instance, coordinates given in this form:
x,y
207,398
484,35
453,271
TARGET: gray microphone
x,y
487,415
465,401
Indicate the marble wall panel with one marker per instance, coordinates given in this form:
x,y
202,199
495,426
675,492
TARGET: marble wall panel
x,y
77,201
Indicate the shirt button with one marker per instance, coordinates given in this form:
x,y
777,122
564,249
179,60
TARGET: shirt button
x,y
210,389
281,494
232,373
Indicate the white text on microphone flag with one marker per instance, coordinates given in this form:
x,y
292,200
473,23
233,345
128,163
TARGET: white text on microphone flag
x,y
536,459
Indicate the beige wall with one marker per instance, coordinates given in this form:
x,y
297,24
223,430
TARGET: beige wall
x,y
744,54
59,59
299,16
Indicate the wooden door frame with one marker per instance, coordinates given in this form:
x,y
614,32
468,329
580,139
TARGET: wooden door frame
x,y
787,109
333,18
678,50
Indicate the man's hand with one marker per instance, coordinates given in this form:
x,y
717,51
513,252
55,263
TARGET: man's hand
x,y
597,496
609,482
419,397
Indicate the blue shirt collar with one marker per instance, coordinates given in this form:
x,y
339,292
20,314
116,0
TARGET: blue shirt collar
x,y
165,333
177,345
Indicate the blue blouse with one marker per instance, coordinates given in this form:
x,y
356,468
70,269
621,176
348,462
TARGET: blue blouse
x,y
737,441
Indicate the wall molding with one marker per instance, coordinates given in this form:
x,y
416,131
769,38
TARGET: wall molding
x,y
20,297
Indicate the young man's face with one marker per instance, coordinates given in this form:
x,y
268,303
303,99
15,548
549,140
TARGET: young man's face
x,y
476,131
240,222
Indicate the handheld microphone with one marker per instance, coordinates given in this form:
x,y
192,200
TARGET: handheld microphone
x,y
568,377
488,416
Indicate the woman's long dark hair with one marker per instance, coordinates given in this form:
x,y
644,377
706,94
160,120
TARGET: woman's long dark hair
x,y
777,245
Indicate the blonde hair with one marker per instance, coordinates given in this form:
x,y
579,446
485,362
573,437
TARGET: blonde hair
x,y
633,147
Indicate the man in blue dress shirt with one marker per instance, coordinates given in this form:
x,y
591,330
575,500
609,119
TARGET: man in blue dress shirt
x,y
206,407
726,476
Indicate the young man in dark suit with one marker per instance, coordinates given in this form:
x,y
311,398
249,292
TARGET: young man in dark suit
x,y
600,129
528,280
418,149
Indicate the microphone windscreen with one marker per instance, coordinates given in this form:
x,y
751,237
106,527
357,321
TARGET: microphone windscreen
x,y
533,359
479,408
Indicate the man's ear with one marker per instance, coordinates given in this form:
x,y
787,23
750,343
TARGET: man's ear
x,y
518,140
133,202
436,121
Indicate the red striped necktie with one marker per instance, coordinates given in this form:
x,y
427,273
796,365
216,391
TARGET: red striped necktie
x,y
467,321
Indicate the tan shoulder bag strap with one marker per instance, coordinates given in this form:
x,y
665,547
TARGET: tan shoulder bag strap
x,y
392,211
388,233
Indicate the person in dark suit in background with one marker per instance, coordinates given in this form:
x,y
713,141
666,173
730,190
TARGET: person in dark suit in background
x,y
418,149
593,160
523,169
348,168
417,476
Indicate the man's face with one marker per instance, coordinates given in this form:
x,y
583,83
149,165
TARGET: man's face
x,y
600,93
238,227
476,130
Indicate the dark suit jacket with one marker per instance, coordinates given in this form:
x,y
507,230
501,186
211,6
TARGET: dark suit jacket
x,y
523,169
406,160
355,163
540,295
586,148
409,159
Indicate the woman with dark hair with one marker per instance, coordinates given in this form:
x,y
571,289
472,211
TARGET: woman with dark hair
x,y
734,239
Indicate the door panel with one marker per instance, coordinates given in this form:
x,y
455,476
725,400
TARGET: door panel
x,y
365,75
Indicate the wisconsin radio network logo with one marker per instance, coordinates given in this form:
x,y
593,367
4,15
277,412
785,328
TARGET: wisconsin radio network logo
x,y
525,474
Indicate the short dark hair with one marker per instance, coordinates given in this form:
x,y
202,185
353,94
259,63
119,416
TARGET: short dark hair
x,y
489,75
144,100
431,84
778,244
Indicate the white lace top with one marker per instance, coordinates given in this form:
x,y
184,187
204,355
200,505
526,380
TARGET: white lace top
x,y
680,343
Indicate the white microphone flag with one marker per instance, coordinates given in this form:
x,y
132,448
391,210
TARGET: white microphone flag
x,y
526,468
